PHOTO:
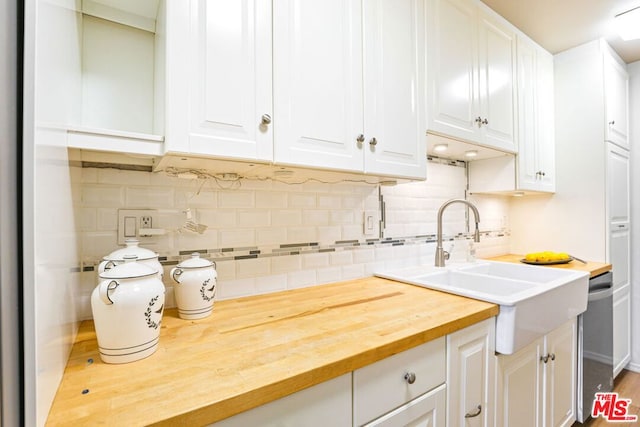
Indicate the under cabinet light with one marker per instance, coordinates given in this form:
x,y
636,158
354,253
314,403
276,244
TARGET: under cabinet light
x,y
628,24
471,153
440,147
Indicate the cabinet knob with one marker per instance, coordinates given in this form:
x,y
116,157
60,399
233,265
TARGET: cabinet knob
x,y
544,358
485,121
474,413
612,122
410,377
479,121
266,119
360,138
552,356
373,142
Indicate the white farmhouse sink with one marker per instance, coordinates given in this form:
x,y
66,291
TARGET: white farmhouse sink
x,y
533,300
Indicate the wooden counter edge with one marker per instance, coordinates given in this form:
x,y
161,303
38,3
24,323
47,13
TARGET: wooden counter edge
x,y
592,267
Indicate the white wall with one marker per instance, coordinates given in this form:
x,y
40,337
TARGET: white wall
x,y
634,121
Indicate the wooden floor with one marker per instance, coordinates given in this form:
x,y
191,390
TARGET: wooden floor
x,y
627,385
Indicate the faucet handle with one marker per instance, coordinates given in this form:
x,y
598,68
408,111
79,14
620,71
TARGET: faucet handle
x,y
446,255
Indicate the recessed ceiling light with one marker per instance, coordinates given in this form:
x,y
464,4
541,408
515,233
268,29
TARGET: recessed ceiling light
x,y
440,147
471,153
628,24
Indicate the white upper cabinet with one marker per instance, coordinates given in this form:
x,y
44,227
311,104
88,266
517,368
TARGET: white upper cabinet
x,y
616,82
470,74
318,110
348,86
219,92
536,141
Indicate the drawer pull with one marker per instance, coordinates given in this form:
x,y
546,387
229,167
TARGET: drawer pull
x,y
410,377
475,413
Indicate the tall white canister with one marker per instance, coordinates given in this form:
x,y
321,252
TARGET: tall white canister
x,y
132,247
127,307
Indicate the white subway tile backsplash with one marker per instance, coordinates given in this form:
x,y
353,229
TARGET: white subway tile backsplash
x,y
315,217
237,238
149,197
302,200
254,267
286,217
258,217
315,260
102,196
271,199
236,199
254,218
107,219
286,264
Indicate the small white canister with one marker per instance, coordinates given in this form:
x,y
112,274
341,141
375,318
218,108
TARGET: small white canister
x,y
127,307
132,247
195,287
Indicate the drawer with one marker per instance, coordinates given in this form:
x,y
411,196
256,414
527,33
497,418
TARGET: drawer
x,y
382,387
426,410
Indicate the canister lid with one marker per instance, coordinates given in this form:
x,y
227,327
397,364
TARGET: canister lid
x,y
130,269
132,248
195,262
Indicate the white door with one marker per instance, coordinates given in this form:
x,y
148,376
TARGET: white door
x,y
219,78
496,76
470,376
519,387
546,145
528,169
560,376
621,328
617,102
317,78
394,96
451,68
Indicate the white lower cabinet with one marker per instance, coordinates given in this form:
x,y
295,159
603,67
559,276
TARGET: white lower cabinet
x,y
621,328
325,404
439,383
392,382
537,385
470,375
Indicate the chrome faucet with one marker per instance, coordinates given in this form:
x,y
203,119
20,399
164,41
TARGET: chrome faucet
x,y
441,254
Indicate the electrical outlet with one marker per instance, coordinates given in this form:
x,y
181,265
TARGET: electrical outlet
x,y
131,221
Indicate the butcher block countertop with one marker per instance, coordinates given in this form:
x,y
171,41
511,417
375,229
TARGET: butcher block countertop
x,y
591,267
253,350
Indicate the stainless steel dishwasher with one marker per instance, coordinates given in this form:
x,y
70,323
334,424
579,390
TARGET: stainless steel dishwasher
x,y
595,345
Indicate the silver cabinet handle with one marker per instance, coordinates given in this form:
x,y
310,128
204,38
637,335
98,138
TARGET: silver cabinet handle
x,y
485,121
475,413
479,121
410,377
373,142
266,119
545,358
360,139
612,122
552,356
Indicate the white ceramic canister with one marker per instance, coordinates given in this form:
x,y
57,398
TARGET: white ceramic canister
x,y
195,287
132,247
127,308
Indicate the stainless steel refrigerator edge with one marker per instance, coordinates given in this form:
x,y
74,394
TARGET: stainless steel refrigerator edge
x,y
10,392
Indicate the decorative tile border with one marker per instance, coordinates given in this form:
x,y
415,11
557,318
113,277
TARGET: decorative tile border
x,y
289,249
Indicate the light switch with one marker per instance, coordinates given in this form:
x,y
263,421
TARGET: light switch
x,y
129,226
369,222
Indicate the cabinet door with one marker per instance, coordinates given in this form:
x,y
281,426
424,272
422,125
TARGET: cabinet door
x,y
560,376
326,404
621,329
496,74
616,101
545,124
427,410
394,97
520,387
618,178
451,68
219,78
528,169
318,83
470,375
